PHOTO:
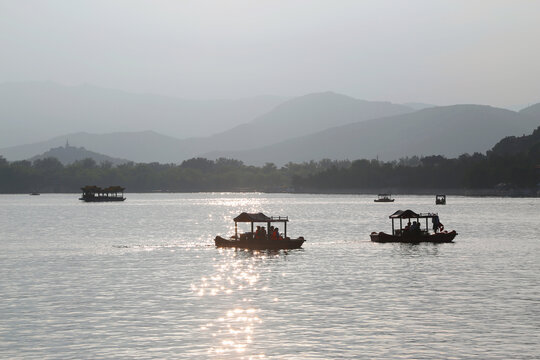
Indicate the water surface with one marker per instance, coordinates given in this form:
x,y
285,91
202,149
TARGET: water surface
x,y
142,279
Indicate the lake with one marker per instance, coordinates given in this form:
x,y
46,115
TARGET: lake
x,y
142,279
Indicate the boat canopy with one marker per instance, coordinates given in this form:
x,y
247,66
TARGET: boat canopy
x,y
253,217
409,214
259,217
97,189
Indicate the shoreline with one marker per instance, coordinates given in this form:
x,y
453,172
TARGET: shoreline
x,y
521,193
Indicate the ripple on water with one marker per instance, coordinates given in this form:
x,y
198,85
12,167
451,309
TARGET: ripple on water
x,y
143,280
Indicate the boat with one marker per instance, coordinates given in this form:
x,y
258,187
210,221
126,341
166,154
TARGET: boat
x,y
34,193
259,240
414,233
92,193
384,198
440,199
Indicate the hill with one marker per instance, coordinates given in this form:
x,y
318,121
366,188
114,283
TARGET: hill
x,y
448,131
296,117
532,111
301,116
145,146
34,111
526,144
69,154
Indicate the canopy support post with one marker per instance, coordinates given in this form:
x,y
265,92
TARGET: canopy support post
x,y
393,231
268,230
236,230
285,233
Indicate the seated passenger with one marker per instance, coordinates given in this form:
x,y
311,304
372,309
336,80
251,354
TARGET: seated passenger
x,y
275,234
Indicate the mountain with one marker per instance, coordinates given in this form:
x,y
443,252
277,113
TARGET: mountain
x,y
34,111
69,154
418,106
144,146
296,117
301,116
448,131
526,144
532,111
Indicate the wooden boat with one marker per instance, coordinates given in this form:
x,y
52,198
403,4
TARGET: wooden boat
x,y
92,193
259,240
440,199
414,233
34,193
384,198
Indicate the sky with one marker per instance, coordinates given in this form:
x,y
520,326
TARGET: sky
x,y
439,52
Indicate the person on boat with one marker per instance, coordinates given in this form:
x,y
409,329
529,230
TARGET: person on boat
x,y
436,223
274,233
407,227
257,234
263,233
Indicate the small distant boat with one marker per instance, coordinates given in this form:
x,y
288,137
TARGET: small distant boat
x,y
413,233
260,239
34,193
384,198
440,199
92,193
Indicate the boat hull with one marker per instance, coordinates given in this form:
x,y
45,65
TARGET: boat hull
x,y
102,199
444,237
384,200
259,244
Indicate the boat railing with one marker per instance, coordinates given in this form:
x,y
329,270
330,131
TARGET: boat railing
x,y
279,218
428,215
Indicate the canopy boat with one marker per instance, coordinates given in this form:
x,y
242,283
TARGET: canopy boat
x,y
384,198
260,239
440,199
414,233
92,193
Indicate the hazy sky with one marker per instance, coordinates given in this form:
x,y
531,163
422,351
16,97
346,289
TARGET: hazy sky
x,y
434,51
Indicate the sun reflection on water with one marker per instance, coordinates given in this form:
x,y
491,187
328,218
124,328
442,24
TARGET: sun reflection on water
x,y
236,278
234,329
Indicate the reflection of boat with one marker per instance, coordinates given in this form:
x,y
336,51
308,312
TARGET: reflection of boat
x,y
92,193
384,198
440,199
414,233
257,240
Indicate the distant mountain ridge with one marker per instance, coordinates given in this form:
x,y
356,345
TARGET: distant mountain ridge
x,y
34,111
449,131
318,126
69,154
296,117
513,145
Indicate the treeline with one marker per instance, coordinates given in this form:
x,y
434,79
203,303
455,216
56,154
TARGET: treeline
x,y
477,171
472,172
198,174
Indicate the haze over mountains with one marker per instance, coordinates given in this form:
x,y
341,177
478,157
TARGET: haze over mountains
x,y
37,111
309,127
69,154
450,131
